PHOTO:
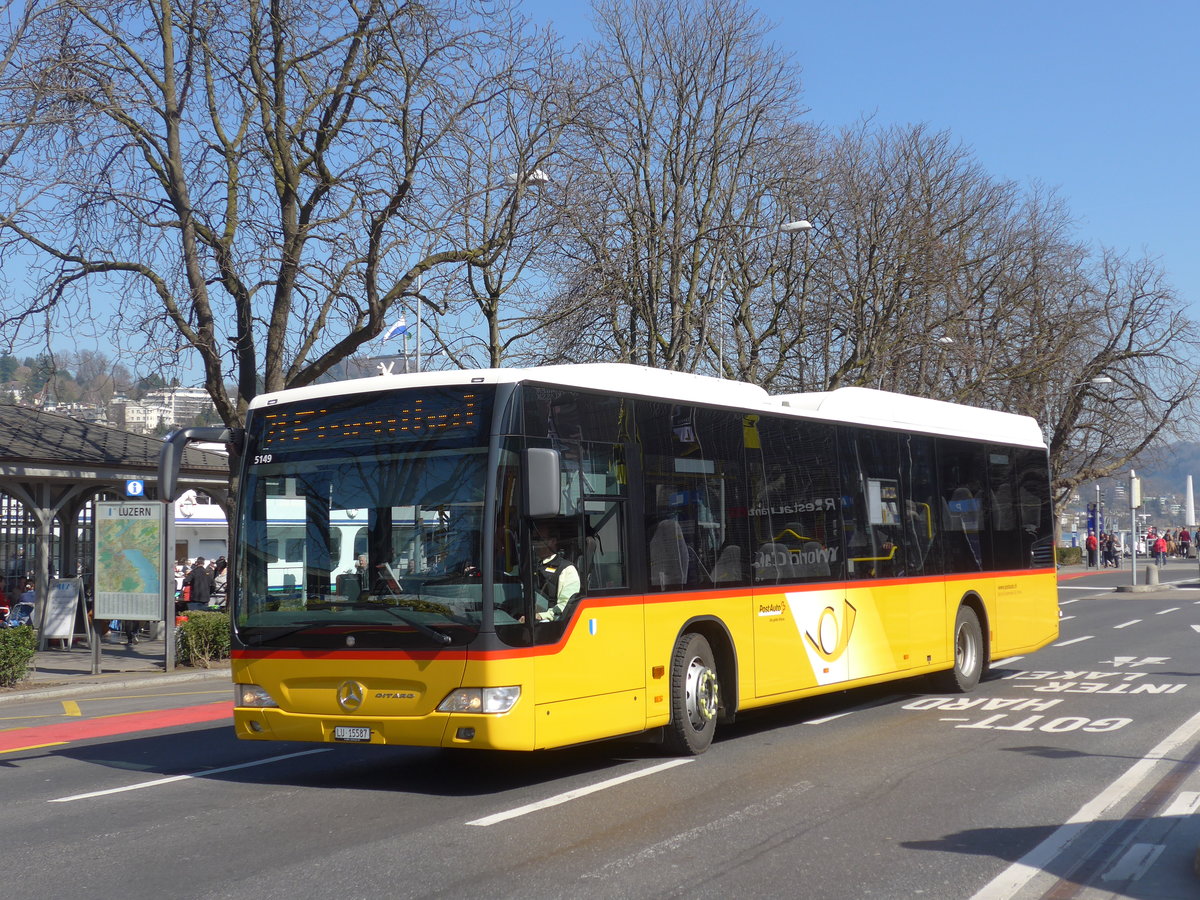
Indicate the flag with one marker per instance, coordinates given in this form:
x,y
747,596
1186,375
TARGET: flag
x,y
398,330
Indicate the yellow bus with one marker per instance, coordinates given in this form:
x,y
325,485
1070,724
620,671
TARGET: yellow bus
x,y
565,554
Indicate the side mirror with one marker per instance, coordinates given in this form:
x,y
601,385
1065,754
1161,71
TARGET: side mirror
x,y
170,457
543,482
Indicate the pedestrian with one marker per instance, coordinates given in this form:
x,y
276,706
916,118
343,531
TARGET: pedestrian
x,y
1091,544
1160,550
200,582
1185,543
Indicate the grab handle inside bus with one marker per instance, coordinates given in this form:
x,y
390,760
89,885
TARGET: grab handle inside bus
x,y
543,482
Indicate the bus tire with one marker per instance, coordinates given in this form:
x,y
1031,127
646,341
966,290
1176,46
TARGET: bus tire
x,y
695,697
968,653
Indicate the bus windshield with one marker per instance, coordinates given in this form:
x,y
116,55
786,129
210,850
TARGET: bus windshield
x,y
361,520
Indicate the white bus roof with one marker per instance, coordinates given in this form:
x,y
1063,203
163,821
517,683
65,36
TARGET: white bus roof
x,y
852,405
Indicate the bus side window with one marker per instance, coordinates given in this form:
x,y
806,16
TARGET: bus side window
x,y
795,500
695,526
921,510
871,503
961,475
601,560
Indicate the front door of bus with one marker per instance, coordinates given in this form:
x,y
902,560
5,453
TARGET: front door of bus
x,y
589,666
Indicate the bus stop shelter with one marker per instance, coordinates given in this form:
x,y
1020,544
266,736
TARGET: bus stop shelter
x,y
52,469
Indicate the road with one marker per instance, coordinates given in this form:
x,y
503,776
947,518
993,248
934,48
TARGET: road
x,y
1070,773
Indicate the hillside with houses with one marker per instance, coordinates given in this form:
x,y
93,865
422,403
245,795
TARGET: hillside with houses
x,y
98,390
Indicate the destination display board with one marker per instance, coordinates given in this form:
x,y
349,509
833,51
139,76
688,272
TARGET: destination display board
x,y
129,548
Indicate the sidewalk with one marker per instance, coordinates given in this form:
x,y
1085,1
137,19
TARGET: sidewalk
x,y
61,672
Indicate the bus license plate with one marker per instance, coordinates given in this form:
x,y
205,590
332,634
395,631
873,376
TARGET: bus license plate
x,y
351,733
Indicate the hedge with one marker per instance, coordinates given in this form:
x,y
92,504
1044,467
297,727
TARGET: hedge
x,y
202,639
17,648
1069,556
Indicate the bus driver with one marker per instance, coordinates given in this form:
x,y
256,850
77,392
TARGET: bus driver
x,y
555,577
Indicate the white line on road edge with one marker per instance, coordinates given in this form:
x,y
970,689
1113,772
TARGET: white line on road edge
x,y
173,778
1011,880
1086,637
824,719
578,792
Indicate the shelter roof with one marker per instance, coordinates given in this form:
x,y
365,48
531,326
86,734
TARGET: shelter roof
x,y
48,444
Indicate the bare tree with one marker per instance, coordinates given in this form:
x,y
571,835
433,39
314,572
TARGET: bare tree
x,y
1124,383
248,180
483,304
689,93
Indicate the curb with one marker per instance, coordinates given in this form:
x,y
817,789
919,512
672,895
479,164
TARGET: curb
x,y
122,681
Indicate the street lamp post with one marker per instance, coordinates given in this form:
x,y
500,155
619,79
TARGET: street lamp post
x,y
793,227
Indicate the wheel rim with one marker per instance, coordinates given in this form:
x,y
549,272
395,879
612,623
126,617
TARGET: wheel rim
x,y
965,651
700,691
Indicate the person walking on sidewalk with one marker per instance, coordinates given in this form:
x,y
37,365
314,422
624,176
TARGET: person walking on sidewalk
x,y
200,582
1160,550
1091,544
1108,551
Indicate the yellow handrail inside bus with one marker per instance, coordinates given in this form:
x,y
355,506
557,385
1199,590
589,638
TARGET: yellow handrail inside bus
x,y
891,555
786,532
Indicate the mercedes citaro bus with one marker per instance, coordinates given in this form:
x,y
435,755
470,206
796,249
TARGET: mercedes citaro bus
x,y
730,550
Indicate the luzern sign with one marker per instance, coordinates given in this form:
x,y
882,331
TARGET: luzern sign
x,y
129,546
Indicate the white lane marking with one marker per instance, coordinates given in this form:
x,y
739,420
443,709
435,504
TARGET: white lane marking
x,y
174,778
1134,863
1076,600
687,838
824,719
1163,612
1006,661
1086,637
1127,624
1006,885
575,794
1065,618
1184,804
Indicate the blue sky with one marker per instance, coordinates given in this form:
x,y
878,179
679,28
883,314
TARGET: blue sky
x,y
1098,100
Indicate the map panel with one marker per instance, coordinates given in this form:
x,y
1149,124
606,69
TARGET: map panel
x,y
129,539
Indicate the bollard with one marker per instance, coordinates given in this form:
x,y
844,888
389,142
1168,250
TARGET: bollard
x,y
1152,573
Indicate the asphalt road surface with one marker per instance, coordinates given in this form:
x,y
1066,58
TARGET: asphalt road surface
x,y
1072,773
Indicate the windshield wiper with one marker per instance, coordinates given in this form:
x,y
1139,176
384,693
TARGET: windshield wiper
x,y
435,636
263,638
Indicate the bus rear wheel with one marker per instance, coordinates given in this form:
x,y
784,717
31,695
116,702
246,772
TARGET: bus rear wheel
x,y
695,697
968,653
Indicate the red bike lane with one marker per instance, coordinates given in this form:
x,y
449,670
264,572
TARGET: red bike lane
x,y
38,736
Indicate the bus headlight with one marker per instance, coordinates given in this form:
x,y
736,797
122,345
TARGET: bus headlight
x,y
251,695
480,700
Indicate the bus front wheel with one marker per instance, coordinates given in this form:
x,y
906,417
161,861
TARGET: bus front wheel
x,y
968,653
695,697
